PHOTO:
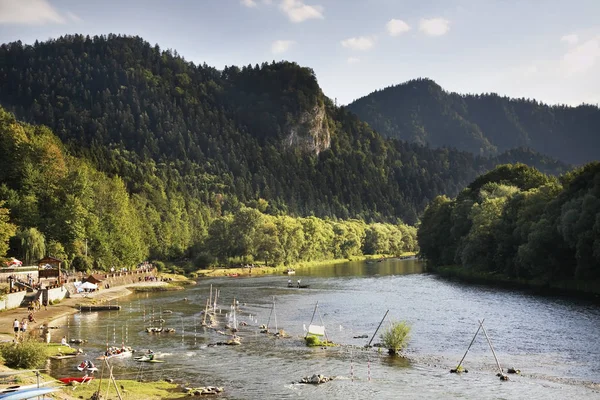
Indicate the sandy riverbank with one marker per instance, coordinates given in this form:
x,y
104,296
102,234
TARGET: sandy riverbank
x,y
65,307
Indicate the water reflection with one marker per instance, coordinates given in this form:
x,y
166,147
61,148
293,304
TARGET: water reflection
x,y
391,266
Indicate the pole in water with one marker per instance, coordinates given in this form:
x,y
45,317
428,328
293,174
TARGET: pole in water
x,y
351,367
470,344
311,319
373,337
502,376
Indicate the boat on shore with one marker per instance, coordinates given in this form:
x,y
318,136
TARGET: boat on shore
x,y
82,379
290,271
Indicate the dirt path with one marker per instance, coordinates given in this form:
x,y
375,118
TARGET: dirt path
x,y
65,307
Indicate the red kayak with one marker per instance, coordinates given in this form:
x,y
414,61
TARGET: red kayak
x,y
74,379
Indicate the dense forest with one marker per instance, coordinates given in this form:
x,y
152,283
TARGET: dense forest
x,y
57,204
258,131
151,150
520,223
420,111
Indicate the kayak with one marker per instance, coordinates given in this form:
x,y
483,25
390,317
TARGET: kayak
x,y
76,379
147,359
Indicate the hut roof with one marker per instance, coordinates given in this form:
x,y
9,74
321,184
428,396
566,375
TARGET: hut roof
x,y
49,260
94,278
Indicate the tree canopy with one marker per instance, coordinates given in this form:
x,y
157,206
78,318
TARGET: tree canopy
x,y
518,222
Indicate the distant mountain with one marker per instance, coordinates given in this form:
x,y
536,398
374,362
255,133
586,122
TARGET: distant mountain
x,y
420,111
232,136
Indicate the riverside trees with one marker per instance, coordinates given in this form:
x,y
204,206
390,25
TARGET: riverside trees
x,y
520,223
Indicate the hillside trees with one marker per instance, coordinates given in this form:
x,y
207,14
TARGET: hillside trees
x,y
180,134
521,223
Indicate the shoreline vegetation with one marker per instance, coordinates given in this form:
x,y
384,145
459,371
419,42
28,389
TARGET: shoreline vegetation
x,y
515,226
576,288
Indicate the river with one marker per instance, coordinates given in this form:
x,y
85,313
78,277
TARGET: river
x,y
552,340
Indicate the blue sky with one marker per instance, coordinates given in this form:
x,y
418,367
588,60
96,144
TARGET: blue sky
x,y
543,49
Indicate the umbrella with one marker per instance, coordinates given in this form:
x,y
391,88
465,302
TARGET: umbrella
x,y
88,286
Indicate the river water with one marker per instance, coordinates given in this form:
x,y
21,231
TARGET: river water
x,y
553,341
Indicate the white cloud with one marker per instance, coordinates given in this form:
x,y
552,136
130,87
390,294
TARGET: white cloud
x,y
581,58
248,3
353,60
359,43
28,12
297,11
74,17
434,26
281,46
396,27
570,39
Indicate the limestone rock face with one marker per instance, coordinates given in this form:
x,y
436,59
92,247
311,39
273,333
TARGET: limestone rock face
x,y
310,132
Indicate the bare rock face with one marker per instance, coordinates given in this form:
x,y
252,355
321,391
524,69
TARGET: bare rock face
x,y
310,133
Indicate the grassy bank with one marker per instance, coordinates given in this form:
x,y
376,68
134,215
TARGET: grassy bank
x,y
280,269
578,288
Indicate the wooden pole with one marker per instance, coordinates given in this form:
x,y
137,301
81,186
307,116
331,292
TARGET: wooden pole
x,y
470,344
275,315
311,319
112,378
270,314
323,325
373,337
492,348
205,312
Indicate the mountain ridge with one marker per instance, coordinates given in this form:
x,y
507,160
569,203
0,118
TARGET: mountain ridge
x,y
421,111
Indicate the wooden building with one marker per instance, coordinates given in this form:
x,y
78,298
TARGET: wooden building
x,y
49,268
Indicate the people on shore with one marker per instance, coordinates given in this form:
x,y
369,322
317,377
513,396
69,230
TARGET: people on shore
x,y
31,318
16,327
23,327
63,342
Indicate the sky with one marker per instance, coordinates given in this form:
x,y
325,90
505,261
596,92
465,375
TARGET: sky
x,y
543,49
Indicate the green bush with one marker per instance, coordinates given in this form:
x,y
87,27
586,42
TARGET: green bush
x,y
396,336
82,263
26,355
160,266
312,341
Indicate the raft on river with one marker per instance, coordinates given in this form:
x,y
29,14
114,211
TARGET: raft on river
x,y
107,307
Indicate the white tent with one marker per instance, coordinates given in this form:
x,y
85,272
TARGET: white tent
x,y
88,286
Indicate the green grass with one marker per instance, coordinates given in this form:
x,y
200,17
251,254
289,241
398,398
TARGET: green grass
x,y
129,389
55,349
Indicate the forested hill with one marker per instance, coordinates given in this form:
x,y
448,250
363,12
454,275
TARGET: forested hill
x,y
421,111
517,223
225,137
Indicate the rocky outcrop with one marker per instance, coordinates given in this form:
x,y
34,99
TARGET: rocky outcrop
x,y
310,132
204,390
315,379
